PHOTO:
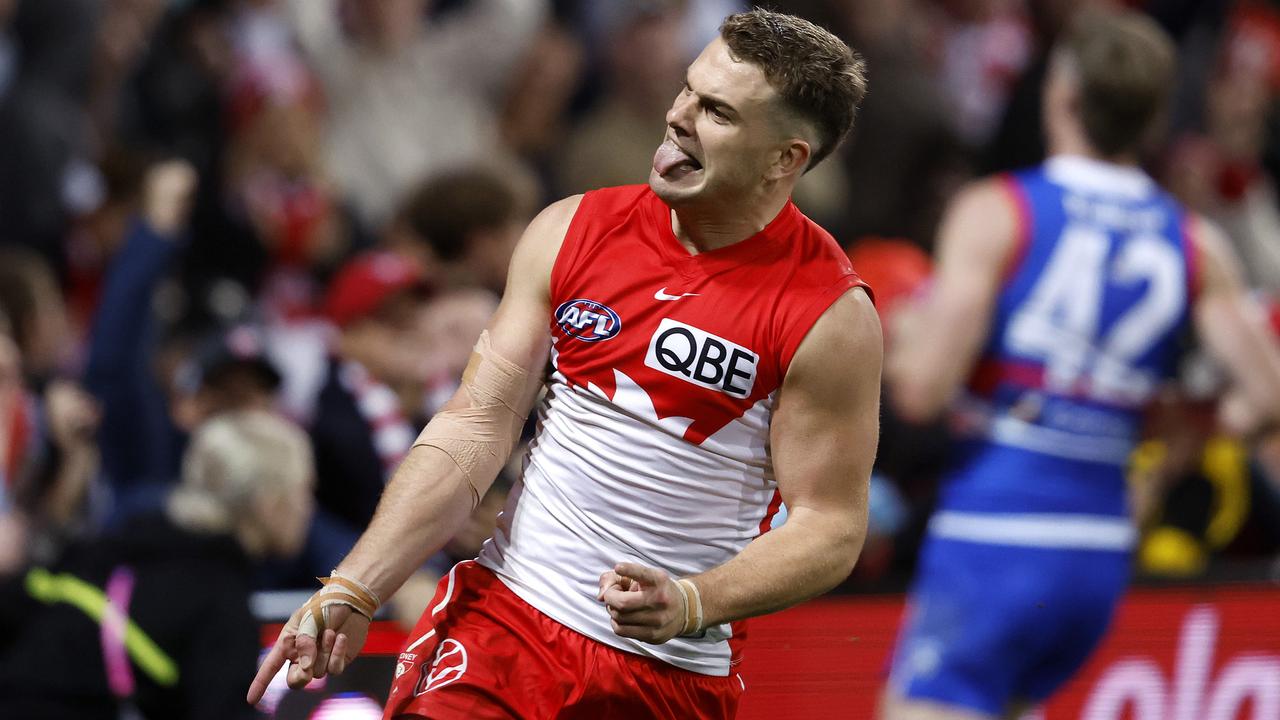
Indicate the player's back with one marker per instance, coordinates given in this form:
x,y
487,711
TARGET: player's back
x,y
1087,326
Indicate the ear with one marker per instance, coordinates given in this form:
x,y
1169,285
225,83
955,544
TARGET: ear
x,y
791,160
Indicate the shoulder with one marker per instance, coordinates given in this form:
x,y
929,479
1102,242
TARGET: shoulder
x,y
993,202
545,234
846,335
984,225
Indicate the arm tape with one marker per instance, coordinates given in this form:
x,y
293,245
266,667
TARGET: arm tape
x,y
479,438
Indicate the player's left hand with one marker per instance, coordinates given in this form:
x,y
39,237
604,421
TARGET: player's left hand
x,y
643,602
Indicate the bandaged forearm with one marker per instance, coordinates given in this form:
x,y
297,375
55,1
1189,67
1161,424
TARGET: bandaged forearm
x,y
479,438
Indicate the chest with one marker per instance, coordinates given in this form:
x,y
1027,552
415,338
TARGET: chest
x,y
686,338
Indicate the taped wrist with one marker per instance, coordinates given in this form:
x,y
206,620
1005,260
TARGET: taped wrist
x,y
337,590
479,438
692,607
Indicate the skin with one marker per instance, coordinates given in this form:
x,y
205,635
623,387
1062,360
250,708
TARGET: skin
x,y
824,429
937,343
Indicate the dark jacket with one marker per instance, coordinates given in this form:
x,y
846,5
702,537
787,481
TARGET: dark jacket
x,y
141,447
190,597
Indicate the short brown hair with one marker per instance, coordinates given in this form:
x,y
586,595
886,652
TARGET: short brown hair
x,y
1125,65
448,208
815,73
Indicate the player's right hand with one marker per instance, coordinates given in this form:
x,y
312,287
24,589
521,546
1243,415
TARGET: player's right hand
x,y
310,657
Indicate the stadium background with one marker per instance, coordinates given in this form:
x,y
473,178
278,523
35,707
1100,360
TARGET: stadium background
x,y
318,131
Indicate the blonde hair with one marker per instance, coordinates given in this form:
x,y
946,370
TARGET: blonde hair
x,y
232,459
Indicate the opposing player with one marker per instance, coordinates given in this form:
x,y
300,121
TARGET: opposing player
x,y
711,354
1059,297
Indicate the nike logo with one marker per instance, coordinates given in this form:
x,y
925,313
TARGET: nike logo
x,y
662,295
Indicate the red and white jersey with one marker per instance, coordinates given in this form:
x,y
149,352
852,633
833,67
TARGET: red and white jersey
x,y
653,436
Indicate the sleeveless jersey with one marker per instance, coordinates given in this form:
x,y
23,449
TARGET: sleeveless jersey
x,y
1086,328
653,435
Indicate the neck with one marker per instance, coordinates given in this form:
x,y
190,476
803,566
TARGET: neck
x,y
1075,143
703,228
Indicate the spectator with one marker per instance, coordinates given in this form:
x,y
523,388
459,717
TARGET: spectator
x,y
903,158
44,122
462,227
229,371
47,422
1220,172
411,94
244,496
642,48
37,314
451,324
140,445
370,408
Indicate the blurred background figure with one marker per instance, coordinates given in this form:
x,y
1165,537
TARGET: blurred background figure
x,y
372,403
462,226
175,637
410,90
1027,338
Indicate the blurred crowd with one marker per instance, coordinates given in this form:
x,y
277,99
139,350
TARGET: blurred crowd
x,y
220,211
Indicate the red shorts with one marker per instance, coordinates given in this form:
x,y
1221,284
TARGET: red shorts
x,y
481,652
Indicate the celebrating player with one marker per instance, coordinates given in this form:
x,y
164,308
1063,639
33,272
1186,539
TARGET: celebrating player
x,y
711,354
1059,298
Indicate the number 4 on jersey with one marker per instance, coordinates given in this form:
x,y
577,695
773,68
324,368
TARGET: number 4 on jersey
x,y
1061,323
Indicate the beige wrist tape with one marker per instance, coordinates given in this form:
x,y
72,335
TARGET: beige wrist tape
x,y
338,590
479,438
692,606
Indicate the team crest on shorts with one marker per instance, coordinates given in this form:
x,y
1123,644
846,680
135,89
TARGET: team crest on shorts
x,y
588,320
449,664
404,662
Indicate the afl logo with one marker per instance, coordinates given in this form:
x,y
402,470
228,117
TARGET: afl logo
x,y
588,320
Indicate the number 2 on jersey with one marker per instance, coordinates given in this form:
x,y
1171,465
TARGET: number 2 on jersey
x,y
1060,322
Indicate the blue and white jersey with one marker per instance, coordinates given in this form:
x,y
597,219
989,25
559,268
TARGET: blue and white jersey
x,y
1087,326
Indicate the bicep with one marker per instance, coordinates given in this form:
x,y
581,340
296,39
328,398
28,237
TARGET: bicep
x,y
520,328
826,423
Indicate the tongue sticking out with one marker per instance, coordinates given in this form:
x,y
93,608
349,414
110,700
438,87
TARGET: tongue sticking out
x,y
669,157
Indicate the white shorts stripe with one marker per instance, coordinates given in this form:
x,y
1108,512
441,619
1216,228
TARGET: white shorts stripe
x,y
1043,530
448,595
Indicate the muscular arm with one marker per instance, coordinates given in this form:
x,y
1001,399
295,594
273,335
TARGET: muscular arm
x,y
428,498
934,346
1231,325
823,438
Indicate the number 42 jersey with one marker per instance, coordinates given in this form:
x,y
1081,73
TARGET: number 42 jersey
x,y
1087,326
653,435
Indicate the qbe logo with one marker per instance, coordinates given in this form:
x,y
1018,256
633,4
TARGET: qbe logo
x,y
701,358
588,320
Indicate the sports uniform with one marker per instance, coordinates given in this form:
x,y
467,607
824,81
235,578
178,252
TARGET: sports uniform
x,y
1028,551
652,446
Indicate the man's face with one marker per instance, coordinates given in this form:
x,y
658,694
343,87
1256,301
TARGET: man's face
x,y
723,131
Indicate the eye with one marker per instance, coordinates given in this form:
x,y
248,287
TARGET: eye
x,y
718,115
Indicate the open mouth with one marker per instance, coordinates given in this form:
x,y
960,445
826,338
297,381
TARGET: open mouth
x,y
670,161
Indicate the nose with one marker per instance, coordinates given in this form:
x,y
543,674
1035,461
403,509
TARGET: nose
x,y
679,118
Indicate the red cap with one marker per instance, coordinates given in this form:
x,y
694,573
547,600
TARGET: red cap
x,y
366,282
